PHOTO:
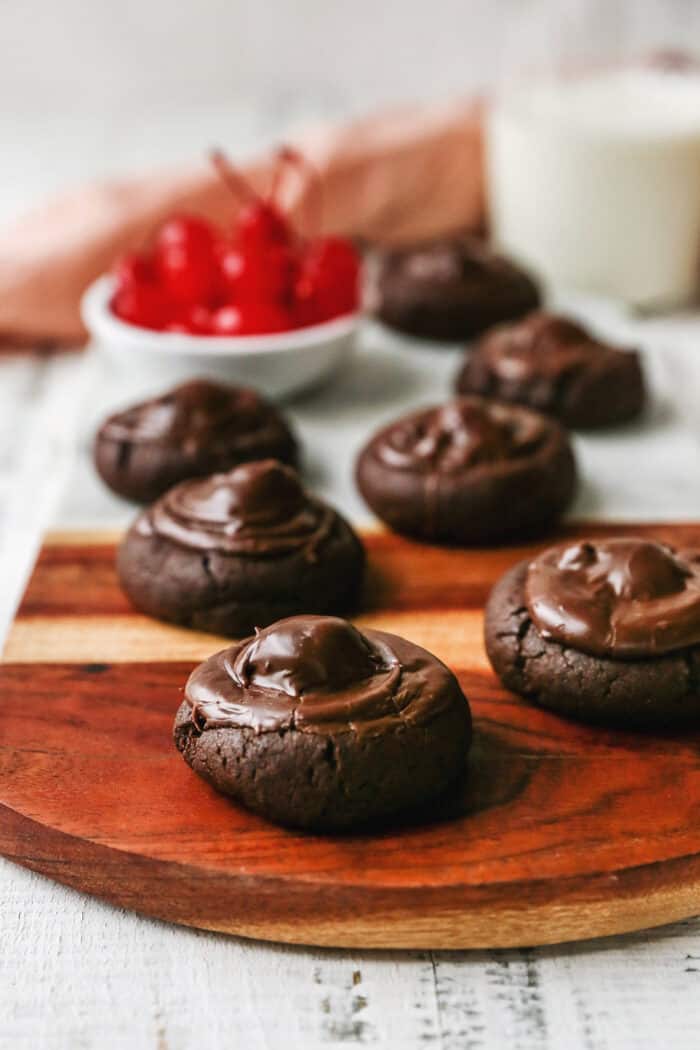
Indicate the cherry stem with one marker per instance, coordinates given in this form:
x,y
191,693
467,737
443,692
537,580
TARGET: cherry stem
x,y
288,159
236,183
277,175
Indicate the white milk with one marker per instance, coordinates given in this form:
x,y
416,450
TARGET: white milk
x,y
596,183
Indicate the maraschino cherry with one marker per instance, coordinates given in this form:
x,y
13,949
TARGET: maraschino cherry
x,y
263,277
139,299
143,305
328,281
254,277
259,265
251,319
185,260
260,222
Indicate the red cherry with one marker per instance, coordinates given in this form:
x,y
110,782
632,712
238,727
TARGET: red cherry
x,y
226,321
251,319
231,265
336,265
261,225
141,304
267,276
187,231
306,307
263,318
134,268
196,320
185,260
328,284
199,320
260,222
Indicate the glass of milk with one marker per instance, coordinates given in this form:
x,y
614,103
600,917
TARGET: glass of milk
x,y
594,181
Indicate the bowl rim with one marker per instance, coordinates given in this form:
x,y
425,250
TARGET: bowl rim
x,y
101,323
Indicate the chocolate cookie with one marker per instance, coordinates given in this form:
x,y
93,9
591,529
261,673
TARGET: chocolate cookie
x,y
317,725
236,551
195,429
469,471
555,366
451,289
604,631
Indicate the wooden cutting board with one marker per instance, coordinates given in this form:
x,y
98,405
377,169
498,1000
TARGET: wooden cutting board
x,y
561,832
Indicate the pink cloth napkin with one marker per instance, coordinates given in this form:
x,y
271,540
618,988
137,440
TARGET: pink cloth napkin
x,y
396,178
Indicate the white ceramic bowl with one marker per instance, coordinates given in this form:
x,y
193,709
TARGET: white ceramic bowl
x,y
277,365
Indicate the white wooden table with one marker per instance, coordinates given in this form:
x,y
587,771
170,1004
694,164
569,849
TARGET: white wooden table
x,y
75,973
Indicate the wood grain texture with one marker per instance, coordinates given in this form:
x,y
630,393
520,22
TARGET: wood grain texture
x,y
561,831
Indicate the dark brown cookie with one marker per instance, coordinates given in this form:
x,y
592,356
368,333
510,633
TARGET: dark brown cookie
x,y
316,725
469,471
451,289
239,550
554,365
659,688
195,429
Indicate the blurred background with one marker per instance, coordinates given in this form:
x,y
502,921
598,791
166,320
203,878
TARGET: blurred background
x,y
101,87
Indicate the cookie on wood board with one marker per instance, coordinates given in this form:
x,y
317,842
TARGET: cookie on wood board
x,y
317,725
237,551
605,631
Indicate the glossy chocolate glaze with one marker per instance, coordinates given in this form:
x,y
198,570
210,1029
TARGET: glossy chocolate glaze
x,y
199,416
541,344
319,673
452,268
545,347
257,509
623,598
554,365
458,436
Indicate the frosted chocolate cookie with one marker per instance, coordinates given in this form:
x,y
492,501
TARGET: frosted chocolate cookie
x,y
469,471
236,551
556,366
450,289
195,429
315,724
605,631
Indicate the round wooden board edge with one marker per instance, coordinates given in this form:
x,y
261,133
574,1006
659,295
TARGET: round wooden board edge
x,y
585,909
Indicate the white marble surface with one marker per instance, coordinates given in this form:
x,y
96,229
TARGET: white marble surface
x,y
637,472
75,973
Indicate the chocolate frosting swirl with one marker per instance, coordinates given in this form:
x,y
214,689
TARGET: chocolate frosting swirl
x,y
455,266
199,416
458,436
542,345
256,509
624,598
318,673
